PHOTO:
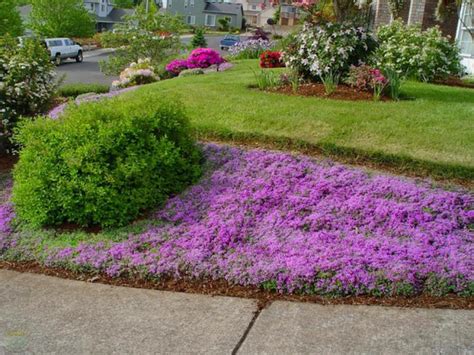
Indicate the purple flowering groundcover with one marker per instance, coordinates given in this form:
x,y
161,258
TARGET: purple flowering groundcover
x,y
292,224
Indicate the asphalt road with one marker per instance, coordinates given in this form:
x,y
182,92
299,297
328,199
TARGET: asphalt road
x,y
88,71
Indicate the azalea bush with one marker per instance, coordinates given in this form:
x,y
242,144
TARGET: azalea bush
x,y
271,59
27,84
204,58
250,49
139,73
328,48
176,66
103,163
200,58
425,55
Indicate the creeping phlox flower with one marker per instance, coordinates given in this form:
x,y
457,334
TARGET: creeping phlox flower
x,y
290,223
138,73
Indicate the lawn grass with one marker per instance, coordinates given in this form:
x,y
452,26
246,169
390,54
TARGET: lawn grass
x,y
431,132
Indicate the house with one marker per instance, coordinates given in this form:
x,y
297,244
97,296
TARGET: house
x,y
206,13
257,12
423,13
105,13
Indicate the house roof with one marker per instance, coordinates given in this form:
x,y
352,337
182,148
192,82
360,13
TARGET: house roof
x,y
223,8
116,15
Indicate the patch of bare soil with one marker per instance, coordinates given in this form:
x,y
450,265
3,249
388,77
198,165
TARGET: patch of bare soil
x,y
223,288
342,92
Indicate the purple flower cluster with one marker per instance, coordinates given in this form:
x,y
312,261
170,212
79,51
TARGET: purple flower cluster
x,y
290,223
199,58
177,66
203,58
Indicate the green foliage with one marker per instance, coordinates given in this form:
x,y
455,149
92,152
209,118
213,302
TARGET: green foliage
x,y
330,82
10,19
224,24
26,83
124,4
103,163
395,82
198,39
74,90
61,18
424,55
151,34
266,79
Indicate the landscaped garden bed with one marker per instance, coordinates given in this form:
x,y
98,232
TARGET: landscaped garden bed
x,y
282,223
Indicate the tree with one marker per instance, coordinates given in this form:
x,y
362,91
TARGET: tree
x,y
10,19
61,18
151,34
198,39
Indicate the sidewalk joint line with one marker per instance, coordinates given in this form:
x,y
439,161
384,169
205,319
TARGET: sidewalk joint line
x,y
247,331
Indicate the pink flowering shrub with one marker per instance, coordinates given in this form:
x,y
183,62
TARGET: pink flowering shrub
x,y
177,66
204,58
366,78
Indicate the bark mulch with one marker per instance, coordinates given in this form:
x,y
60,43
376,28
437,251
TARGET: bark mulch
x,y
223,288
343,92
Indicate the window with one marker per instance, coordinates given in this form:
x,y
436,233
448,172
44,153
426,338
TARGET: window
x,y
191,2
210,20
465,28
191,20
254,7
170,3
185,3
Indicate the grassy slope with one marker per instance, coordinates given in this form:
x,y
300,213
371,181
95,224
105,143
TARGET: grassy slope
x,y
433,131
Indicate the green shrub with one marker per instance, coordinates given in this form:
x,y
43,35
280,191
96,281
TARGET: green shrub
x,y
423,55
74,90
103,163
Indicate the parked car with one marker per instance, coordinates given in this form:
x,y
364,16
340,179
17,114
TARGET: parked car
x,y
229,41
63,48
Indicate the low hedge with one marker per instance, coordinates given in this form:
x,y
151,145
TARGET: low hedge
x,y
74,90
103,163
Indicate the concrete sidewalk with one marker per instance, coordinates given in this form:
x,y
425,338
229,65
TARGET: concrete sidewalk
x,y
41,314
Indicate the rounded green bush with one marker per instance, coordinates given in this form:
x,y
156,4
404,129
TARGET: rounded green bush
x,y
103,163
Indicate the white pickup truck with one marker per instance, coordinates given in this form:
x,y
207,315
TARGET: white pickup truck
x,y
63,48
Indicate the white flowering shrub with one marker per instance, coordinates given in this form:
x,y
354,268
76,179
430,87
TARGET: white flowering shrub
x,y
329,48
424,55
27,83
138,73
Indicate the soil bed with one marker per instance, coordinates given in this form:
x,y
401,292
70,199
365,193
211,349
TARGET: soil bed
x,y
456,82
223,288
343,92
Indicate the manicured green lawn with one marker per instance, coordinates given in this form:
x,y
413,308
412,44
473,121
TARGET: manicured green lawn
x,y
431,132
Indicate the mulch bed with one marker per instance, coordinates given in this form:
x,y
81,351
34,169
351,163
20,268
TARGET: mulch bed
x,y
457,82
343,92
223,288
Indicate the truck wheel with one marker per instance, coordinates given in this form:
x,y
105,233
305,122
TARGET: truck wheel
x,y
79,57
57,59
